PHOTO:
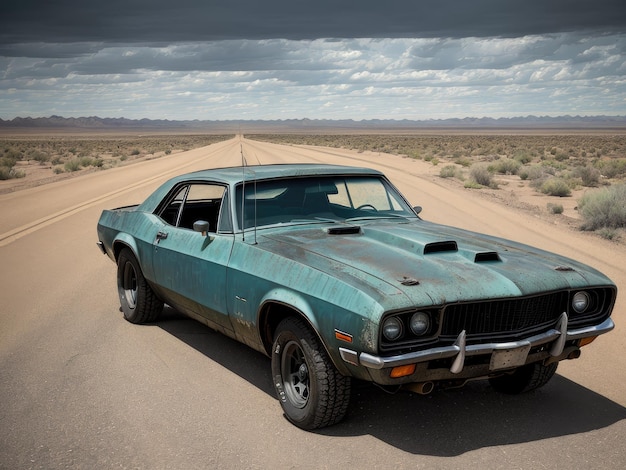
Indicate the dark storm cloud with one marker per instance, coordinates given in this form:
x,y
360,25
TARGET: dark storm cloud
x,y
167,21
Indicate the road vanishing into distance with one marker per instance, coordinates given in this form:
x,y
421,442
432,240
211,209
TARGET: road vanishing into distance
x,y
82,388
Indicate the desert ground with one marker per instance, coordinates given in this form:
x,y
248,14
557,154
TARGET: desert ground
x,y
82,388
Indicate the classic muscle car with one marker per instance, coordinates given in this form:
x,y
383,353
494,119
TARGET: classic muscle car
x,y
330,272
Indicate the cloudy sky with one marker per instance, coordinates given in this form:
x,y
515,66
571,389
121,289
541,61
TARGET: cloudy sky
x,y
291,59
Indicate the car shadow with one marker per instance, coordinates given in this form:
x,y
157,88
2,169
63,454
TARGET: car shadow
x,y
446,423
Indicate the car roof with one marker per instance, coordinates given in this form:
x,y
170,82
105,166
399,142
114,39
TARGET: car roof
x,y
234,175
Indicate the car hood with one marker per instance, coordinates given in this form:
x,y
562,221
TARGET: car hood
x,y
431,264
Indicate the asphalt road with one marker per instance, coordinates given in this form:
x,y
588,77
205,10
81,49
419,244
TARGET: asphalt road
x,y
82,388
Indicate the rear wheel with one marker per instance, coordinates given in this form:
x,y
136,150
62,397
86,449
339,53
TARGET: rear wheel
x,y
139,303
312,393
524,379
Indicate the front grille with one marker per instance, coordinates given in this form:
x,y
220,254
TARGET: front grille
x,y
506,319
502,320
512,319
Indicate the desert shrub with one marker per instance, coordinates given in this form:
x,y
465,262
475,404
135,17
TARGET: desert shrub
x,y
471,184
589,175
72,165
85,161
532,173
604,208
463,161
556,187
58,170
7,162
168,151
507,166
448,171
13,154
609,234
10,173
135,152
39,156
523,156
555,208
480,174
612,168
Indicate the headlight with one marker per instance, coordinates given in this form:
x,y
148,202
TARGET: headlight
x,y
392,328
580,302
420,323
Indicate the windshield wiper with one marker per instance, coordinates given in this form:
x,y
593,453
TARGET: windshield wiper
x,y
373,216
316,220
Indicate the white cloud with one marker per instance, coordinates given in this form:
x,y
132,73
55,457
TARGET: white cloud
x,y
362,78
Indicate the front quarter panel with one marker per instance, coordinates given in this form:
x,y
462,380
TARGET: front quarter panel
x,y
258,276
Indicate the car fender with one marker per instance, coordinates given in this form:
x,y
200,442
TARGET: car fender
x,y
293,300
125,240
297,303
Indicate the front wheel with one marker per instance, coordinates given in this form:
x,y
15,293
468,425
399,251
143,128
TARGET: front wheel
x,y
139,303
312,392
524,379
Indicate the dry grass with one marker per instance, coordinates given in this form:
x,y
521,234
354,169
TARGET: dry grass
x,y
53,155
554,165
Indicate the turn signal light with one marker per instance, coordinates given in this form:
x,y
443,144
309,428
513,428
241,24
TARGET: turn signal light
x,y
402,371
586,341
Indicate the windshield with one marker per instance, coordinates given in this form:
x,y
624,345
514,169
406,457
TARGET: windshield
x,y
318,199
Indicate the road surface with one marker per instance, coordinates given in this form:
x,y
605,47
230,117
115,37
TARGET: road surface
x,y
82,388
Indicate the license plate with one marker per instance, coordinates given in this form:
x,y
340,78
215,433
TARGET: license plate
x,y
508,358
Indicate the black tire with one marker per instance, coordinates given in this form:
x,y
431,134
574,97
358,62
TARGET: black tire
x,y
524,379
138,301
312,392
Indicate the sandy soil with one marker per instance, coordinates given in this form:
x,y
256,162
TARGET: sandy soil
x,y
512,191
515,211
85,389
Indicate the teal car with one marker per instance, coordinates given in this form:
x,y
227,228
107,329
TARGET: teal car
x,y
330,272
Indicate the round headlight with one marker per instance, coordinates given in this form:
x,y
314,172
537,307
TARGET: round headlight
x,y
580,302
392,328
420,323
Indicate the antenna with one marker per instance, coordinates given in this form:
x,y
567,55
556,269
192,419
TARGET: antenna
x,y
255,223
243,192
243,198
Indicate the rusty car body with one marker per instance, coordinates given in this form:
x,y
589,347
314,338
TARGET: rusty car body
x,y
330,272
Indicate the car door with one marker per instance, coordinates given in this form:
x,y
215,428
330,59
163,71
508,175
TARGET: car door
x,y
188,265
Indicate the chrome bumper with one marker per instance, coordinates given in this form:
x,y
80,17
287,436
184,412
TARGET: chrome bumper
x,y
102,248
558,336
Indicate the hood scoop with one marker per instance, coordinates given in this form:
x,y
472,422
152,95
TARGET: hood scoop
x,y
440,247
345,230
487,256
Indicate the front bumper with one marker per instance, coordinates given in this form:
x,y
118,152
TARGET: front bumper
x,y
503,355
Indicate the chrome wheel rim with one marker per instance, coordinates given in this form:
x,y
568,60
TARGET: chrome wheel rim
x,y
295,373
129,285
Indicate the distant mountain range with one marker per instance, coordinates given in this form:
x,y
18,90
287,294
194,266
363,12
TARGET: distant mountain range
x,y
311,125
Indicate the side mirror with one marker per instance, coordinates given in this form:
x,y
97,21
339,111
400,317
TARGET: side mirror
x,y
417,209
201,226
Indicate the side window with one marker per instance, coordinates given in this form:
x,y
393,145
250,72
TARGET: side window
x,y
171,212
225,222
195,202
